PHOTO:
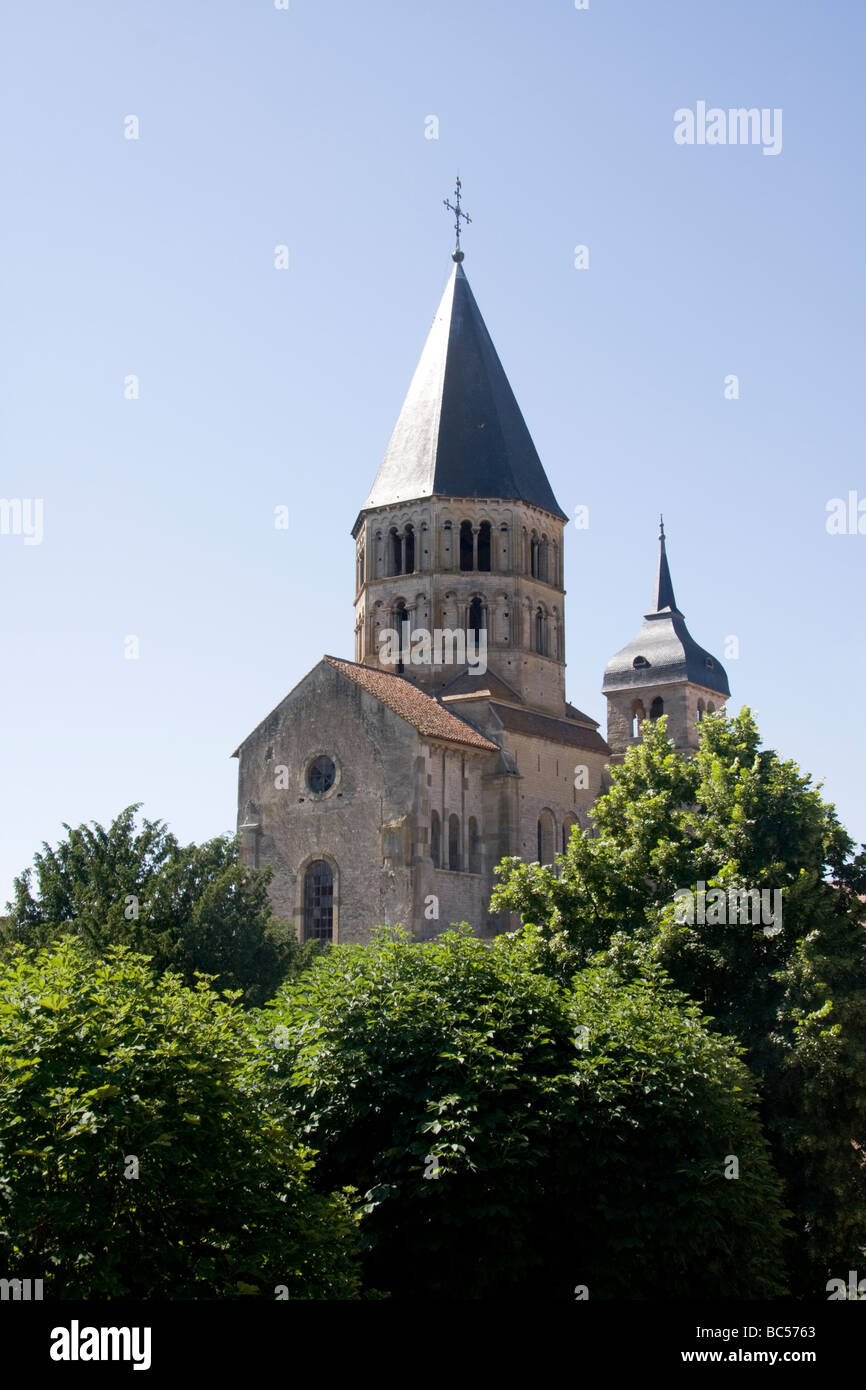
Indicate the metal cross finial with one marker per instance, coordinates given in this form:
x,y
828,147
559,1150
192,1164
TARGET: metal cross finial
x,y
457,254
661,528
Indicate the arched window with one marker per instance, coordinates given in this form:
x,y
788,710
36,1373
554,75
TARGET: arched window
x,y
701,711
484,546
542,559
539,630
409,551
504,559
453,842
401,617
568,825
546,831
396,551
467,559
657,708
476,620
474,847
533,556
361,568
637,718
318,901
711,709
436,840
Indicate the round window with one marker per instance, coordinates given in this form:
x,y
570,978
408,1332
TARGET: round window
x,y
321,774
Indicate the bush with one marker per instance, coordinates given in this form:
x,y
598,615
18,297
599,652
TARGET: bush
x,y
504,1151
135,1158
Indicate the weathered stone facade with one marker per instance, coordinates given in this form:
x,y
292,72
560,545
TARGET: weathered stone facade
x,y
372,826
508,556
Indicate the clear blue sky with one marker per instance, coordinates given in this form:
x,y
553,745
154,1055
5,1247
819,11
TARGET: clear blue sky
x,y
261,387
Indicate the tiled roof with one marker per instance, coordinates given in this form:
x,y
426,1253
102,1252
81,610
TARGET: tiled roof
x,y
421,711
487,685
574,713
524,721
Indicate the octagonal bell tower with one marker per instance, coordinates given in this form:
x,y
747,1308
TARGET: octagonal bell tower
x,y
459,545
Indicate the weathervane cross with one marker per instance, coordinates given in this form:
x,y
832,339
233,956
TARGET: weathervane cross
x,y
457,254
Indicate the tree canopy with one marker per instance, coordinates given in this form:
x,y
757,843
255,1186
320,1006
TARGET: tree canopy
x,y
191,908
136,1158
737,817
515,1131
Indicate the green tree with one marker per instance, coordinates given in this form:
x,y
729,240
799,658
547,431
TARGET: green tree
x,y
518,1134
737,817
191,908
136,1160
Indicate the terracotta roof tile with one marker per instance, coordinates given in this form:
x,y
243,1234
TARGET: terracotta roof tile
x,y
487,685
424,713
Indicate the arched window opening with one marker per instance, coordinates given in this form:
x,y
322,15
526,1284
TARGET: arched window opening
x,y
467,559
539,631
484,546
476,620
546,831
453,842
533,556
396,551
361,568
474,847
701,711
657,708
637,718
318,901
436,840
401,617
711,709
409,550
542,559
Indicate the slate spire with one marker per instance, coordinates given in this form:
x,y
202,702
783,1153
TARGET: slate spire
x,y
664,650
460,432
664,593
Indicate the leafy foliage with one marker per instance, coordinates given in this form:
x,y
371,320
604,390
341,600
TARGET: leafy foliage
x,y
515,1134
102,1063
190,908
736,816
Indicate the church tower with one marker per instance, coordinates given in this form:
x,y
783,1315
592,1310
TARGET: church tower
x,y
461,535
662,671
389,788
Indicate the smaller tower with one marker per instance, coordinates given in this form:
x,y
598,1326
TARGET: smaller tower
x,y
662,671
